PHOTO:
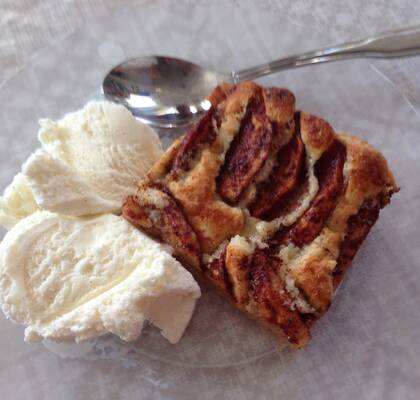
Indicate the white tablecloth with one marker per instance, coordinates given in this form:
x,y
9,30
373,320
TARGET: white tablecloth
x,y
389,365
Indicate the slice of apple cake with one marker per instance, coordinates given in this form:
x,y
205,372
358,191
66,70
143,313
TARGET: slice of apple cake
x,y
267,203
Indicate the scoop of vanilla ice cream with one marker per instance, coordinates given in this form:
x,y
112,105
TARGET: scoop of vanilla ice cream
x,y
89,163
78,278
17,202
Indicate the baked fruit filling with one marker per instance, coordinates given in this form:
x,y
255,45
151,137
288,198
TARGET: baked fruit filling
x,y
266,203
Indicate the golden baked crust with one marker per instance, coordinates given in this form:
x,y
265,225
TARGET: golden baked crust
x,y
268,204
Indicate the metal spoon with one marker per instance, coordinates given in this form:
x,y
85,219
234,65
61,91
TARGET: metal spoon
x,y
168,92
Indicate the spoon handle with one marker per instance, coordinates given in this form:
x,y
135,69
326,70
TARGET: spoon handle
x,y
397,43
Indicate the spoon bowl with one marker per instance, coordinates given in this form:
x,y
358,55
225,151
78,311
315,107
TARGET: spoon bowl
x,y
162,91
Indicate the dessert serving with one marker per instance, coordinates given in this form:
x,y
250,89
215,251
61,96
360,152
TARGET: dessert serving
x,y
266,203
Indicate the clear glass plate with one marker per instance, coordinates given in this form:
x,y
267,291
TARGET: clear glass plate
x,y
370,326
